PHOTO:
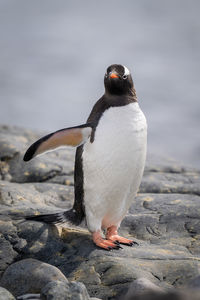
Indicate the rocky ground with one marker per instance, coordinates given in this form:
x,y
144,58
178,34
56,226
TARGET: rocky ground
x,y
49,262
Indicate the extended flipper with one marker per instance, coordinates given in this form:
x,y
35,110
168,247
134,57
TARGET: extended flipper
x,y
73,136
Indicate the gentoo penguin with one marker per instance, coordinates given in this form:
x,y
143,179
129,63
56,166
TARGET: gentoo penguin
x,y
109,163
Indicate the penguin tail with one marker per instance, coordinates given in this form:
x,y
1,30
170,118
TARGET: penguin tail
x,y
69,216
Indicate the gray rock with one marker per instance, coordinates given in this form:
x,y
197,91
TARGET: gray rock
x,y
55,290
182,183
78,291
141,286
13,143
33,196
5,294
173,295
64,291
7,254
163,219
195,283
43,241
29,276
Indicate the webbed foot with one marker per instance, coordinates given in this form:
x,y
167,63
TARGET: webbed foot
x,y
112,235
104,243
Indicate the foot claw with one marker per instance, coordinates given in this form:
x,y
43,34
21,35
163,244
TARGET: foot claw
x,y
116,247
119,247
131,243
128,244
135,243
116,242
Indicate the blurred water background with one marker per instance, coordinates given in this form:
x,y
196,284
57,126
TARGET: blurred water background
x,y
53,56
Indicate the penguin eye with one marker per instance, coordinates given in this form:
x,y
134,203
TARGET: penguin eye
x,y
124,77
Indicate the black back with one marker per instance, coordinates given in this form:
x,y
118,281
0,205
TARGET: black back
x,y
78,185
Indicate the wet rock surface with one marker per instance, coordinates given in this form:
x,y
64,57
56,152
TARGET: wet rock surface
x,y
164,219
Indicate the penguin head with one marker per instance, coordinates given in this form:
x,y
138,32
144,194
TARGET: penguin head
x,y
118,80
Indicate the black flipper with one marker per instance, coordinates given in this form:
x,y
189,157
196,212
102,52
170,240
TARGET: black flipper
x,y
70,216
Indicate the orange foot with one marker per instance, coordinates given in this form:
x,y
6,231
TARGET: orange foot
x,y
112,235
102,243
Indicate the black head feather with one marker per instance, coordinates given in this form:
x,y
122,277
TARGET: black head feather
x,y
118,81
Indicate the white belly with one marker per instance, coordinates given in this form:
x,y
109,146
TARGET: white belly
x,y
113,165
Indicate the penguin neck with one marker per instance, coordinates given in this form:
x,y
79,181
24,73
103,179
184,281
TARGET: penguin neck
x,y
105,102
124,98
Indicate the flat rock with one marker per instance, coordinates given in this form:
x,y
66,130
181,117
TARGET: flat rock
x,y
141,286
29,198
164,219
195,283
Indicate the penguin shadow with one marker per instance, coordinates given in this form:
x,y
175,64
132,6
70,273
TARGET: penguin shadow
x,y
63,247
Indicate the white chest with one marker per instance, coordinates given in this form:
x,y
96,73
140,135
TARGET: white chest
x,y
113,164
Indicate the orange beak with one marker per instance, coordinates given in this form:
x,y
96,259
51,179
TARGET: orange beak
x,y
114,75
